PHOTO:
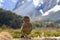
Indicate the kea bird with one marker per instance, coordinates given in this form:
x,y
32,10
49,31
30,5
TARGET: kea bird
x,y
26,27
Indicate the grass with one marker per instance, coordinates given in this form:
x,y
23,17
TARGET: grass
x,y
35,32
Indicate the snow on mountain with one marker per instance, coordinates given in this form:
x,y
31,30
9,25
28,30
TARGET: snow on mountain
x,y
52,17
45,10
37,7
27,8
47,5
55,9
36,2
32,8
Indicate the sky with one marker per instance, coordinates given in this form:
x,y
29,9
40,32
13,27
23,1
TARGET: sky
x,y
1,1
7,4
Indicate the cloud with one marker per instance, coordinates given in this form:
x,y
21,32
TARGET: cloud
x,y
1,1
1,5
14,1
36,2
57,1
28,0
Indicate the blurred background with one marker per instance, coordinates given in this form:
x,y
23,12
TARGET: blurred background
x,y
44,14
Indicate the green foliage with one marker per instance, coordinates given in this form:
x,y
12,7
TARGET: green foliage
x,y
39,24
14,21
57,34
4,27
48,34
35,34
16,34
10,19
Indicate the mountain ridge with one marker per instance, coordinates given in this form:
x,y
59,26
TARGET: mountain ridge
x,y
47,5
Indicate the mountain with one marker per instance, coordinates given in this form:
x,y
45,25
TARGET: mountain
x,y
43,10
47,5
53,17
48,11
28,7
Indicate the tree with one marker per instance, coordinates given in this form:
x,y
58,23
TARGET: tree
x,y
10,19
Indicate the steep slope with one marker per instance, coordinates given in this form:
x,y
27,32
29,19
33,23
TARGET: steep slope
x,y
53,17
28,8
47,5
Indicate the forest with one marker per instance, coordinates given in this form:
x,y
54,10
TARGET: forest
x,y
10,19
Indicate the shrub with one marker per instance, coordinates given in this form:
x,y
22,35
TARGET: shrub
x,y
57,34
35,34
16,34
4,26
48,34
